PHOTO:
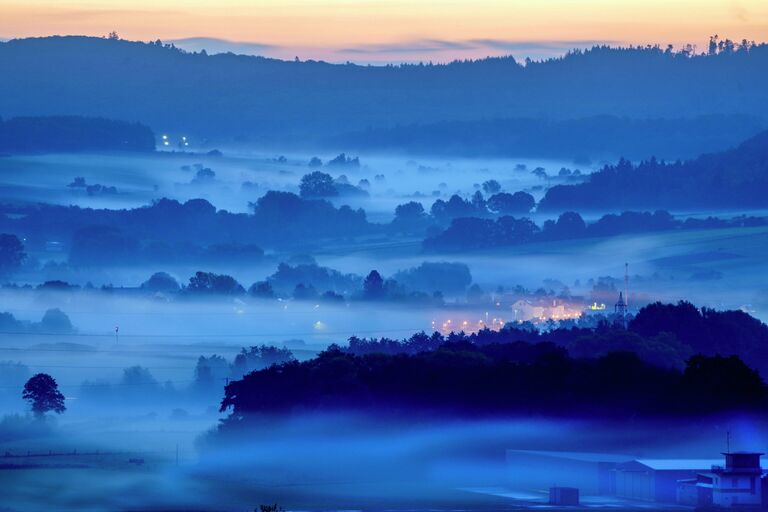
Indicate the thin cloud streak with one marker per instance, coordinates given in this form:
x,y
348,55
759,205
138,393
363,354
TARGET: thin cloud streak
x,y
409,51
437,45
215,45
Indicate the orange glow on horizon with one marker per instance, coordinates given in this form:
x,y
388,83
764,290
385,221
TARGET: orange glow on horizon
x,y
370,30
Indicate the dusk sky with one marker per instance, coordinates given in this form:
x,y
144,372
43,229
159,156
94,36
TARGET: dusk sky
x,y
392,30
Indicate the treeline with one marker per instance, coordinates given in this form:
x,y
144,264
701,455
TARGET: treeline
x,y
196,232
477,233
228,96
72,134
135,383
673,359
498,379
424,284
597,137
427,281
170,229
53,321
665,335
212,372
737,178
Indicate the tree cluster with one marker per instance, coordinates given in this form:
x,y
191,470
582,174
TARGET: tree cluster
x,y
734,178
477,233
73,134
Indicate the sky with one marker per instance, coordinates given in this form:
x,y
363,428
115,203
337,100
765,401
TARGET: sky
x,y
376,31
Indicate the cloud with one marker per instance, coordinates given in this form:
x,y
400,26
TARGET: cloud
x,y
215,45
564,46
441,50
420,46
475,46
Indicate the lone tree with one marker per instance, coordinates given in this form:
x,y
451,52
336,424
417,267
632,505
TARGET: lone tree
x,y
42,392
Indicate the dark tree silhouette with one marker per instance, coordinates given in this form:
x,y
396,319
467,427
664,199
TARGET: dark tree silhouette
x,y
321,98
72,133
373,286
208,282
56,321
409,212
568,225
43,394
95,244
258,358
11,254
261,289
342,160
444,276
519,202
302,292
269,508
457,376
317,184
491,187
161,282
737,177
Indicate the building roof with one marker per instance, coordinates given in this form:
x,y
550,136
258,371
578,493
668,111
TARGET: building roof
x,y
679,464
578,456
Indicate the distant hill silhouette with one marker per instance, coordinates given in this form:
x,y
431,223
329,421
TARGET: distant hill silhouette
x,y
255,99
72,133
595,137
736,178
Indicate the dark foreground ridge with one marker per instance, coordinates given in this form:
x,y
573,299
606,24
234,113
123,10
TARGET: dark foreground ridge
x,y
607,371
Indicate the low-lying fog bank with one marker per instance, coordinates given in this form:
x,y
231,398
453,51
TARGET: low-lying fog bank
x,y
239,177
341,461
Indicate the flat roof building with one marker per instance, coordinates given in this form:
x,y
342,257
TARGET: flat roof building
x,y
657,479
738,484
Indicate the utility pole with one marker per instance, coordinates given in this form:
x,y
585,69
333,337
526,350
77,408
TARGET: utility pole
x,y
117,331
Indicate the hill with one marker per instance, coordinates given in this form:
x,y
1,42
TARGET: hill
x,y
736,178
72,133
673,360
595,137
256,99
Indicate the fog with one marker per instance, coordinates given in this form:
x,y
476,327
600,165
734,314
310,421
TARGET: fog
x,y
241,176
340,461
308,460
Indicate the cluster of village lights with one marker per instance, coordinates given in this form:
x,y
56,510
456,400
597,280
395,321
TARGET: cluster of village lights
x,y
166,141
